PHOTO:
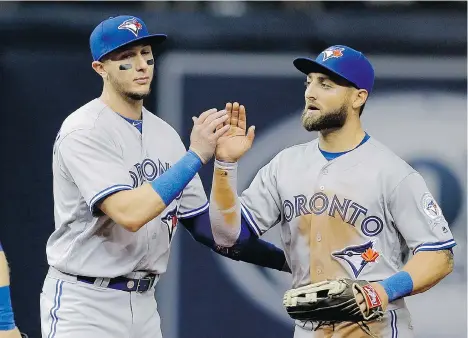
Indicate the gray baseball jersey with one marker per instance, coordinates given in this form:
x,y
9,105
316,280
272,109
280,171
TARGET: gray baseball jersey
x,y
358,215
97,153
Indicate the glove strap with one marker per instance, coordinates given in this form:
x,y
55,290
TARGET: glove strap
x,y
371,296
372,299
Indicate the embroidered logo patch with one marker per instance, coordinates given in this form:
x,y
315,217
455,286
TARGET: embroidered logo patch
x,y
131,25
430,206
332,53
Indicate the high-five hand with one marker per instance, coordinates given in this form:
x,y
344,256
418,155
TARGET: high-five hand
x,y
207,128
233,144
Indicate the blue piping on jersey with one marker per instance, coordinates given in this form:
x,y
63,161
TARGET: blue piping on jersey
x,y
331,156
435,246
194,212
250,221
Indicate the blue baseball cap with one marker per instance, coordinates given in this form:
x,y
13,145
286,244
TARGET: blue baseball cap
x,y
342,61
119,31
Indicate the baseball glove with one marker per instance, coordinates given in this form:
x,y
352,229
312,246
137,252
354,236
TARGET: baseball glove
x,y
333,301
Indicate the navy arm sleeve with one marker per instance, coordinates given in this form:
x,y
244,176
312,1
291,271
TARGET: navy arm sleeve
x,y
248,248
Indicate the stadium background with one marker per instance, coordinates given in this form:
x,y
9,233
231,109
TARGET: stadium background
x,y
226,51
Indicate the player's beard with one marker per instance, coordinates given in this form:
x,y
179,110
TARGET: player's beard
x,y
136,96
332,120
133,96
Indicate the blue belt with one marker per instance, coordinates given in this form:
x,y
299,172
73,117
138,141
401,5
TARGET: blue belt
x,y
124,283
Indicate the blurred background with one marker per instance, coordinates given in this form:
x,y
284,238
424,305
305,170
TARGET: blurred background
x,y
242,51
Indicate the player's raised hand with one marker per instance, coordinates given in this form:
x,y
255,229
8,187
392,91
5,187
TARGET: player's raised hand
x,y
235,143
207,128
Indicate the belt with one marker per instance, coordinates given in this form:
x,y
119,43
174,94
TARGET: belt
x,y
123,283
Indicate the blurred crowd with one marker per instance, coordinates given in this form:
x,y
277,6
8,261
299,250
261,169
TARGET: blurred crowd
x,y
236,8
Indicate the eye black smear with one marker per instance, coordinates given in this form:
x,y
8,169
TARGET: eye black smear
x,y
125,66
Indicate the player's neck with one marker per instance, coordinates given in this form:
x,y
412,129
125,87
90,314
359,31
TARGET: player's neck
x,y
126,107
339,140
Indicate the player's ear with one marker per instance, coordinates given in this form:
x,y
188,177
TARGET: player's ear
x,y
99,68
359,98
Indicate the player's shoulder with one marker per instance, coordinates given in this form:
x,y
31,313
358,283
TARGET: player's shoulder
x,y
287,156
296,149
388,161
85,118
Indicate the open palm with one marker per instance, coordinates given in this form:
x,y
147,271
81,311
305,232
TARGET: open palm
x,y
237,140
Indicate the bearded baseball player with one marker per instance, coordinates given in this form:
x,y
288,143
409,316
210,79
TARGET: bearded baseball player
x,y
360,228
122,181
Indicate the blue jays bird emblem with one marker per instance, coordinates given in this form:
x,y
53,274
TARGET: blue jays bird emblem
x,y
132,25
357,256
170,220
430,207
332,53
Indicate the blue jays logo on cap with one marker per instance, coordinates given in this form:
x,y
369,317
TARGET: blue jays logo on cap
x,y
114,33
332,52
343,61
132,25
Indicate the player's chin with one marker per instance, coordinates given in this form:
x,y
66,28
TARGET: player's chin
x,y
142,90
309,121
137,95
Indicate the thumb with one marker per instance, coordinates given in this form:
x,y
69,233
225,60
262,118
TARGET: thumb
x,y
194,119
251,135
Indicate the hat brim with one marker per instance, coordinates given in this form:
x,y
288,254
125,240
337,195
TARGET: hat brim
x,y
308,65
153,40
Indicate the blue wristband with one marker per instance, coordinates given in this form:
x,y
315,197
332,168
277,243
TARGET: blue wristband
x,y
397,286
7,321
1,248
170,184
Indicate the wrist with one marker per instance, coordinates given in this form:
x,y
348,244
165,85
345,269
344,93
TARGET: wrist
x,y
397,286
172,182
225,159
198,154
225,165
195,154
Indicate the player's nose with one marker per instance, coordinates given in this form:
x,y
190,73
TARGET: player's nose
x,y
141,63
310,92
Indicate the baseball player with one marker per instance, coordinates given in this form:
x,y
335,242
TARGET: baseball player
x,y
8,327
122,181
348,207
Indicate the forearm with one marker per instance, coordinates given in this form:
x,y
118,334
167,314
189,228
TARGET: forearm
x,y
249,248
259,252
225,212
132,209
427,268
424,270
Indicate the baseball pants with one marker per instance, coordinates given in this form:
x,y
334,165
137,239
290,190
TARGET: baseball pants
x,y
395,324
73,309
